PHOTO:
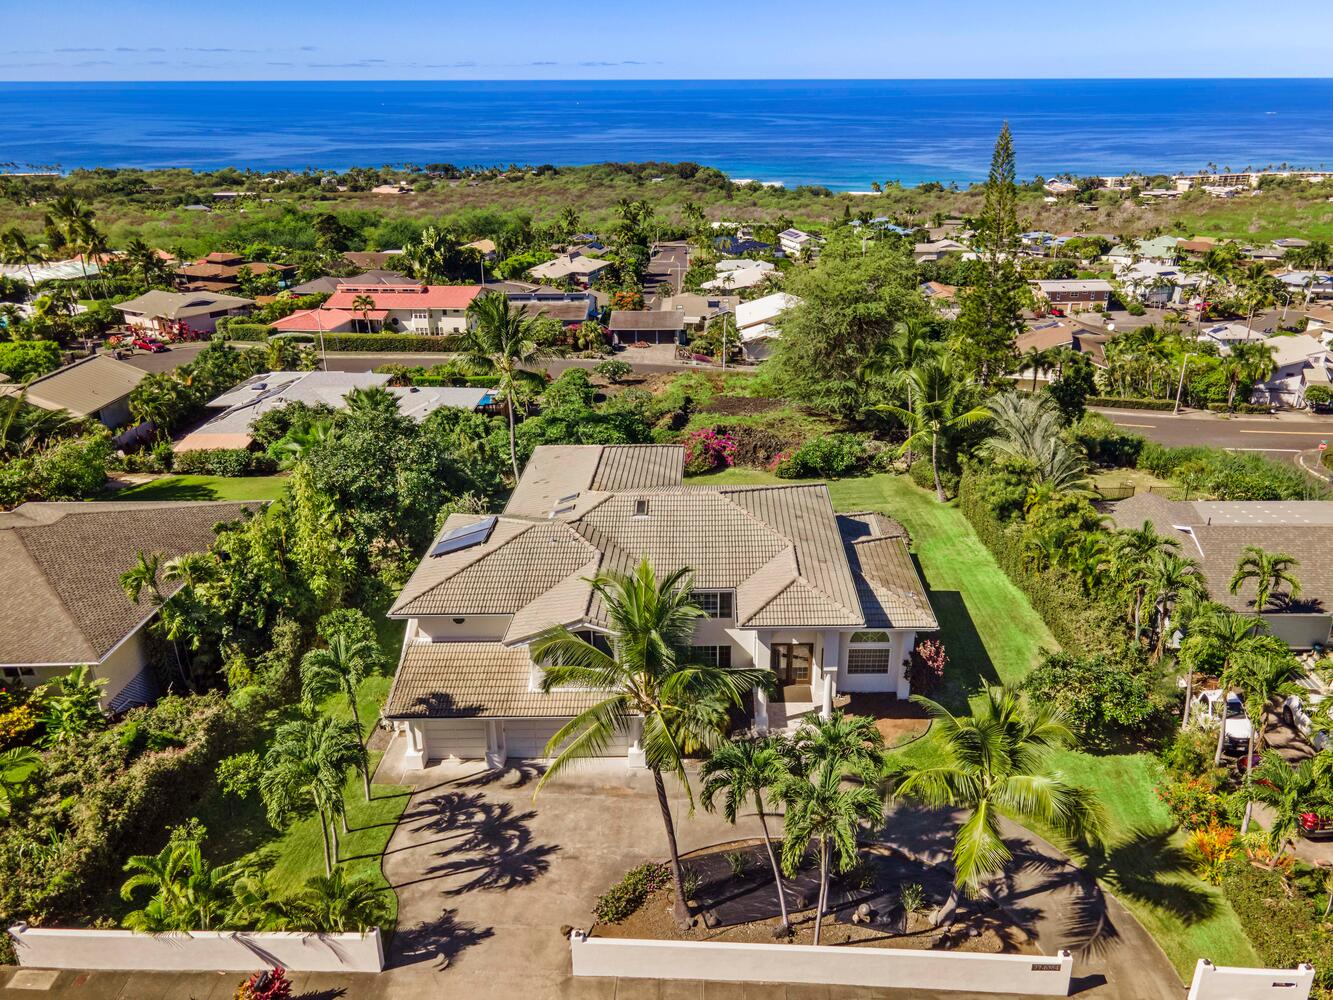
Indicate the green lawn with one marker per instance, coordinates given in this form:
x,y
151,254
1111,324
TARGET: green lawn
x,y
204,488
991,633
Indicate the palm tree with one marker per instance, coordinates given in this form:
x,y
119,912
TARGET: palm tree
x,y
143,576
1246,362
744,770
507,339
1037,361
997,759
1132,550
910,347
188,892
1289,791
941,394
828,805
1264,677
336,904
15,249
341,667
1170,578
1269,571
647,674
145,260
71,706
363,304
305,768
17,767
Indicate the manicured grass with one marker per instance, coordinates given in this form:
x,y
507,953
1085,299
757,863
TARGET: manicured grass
x,y
992,634
204,488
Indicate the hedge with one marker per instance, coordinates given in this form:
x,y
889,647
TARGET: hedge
x,y
391,342
480,381
250,332
1239,408
1077,623
1284,927
223,462
1131,404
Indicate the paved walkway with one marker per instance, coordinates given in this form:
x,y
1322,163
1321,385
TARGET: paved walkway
x,y
487,878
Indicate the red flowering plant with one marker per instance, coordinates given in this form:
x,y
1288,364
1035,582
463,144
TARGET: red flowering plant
x,y
926,667
268,985
707,450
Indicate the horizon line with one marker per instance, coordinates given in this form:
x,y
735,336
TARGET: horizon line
x,y
690,79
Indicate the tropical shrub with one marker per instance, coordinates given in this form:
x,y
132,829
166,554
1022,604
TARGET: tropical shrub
x,y
926,665
23,359
829,456
614,370
1212,849
707,450
627,895
269,985
1194,803
1100,696
244,332
223,462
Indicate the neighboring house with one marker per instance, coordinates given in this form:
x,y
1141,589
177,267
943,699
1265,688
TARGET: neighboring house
x,y
1156,284
1216,533
1162,250
371,260
737,274
1299,361
1306,285
937,291
221,272
936,249
177,313
1046,335
422,309
830,603
96,388
1319,321
1225,335
62,604
570,314
754,323
1084,294
51,270
486,248
653,326
697,310
236,410
797,243
576,267
329,284
738,245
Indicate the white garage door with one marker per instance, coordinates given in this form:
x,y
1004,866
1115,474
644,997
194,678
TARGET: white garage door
x,y
528,738
462,738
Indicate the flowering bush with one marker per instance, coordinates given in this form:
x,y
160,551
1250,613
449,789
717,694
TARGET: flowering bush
x,y
627,895
267,985
1212,848
1194,802
926,668
707,450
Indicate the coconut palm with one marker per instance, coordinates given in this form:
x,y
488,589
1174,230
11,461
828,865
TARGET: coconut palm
x,y
645,669
1246,362
828,804
363,304
997,759
144,259
1289,791
16,249
508,340
17,767
942,406
1269,571
743,771
305,768
1171,578
340,668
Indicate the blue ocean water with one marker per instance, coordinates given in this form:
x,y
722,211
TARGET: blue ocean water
x,y
840,133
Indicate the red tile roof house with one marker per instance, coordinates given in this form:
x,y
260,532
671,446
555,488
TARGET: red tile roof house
x,y
421,309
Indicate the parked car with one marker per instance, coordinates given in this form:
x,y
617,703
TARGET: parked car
x,y
151,346
1236,726
1296,713
1057,311
1314,825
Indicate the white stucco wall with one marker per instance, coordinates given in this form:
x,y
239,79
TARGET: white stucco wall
x,y
237,951
719,961
1219,982
443,628
121,666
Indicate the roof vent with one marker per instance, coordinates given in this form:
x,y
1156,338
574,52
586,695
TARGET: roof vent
x,y
641,508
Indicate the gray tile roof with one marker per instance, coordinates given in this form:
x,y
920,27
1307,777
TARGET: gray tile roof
x,y
86,386
887,583
452,680
182,305
61,602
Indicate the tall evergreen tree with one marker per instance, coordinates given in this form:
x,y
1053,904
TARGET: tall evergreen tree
x,y
990,313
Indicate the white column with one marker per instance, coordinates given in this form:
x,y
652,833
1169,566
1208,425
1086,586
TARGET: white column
x,y
826,704
635,757
904,642
760,710
495,743
415,758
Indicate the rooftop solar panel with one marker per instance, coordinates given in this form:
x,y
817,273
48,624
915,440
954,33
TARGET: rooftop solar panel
x,y
464,537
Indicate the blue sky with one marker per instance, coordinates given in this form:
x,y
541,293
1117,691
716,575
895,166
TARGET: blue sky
x,y
630,39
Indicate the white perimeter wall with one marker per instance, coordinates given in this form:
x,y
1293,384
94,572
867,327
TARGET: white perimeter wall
x,y
1220,982
721,961
236,951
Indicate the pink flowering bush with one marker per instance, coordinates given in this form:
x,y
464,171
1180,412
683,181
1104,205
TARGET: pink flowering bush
x,y
926,669
707,450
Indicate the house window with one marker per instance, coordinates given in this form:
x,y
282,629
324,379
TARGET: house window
x,y
715,603
597,640
868,661
712,656
419,317
640,508
870,637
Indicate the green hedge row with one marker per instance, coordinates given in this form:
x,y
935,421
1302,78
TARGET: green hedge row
x,y
1078,624
1239,408
391,342
1131,404
223,462
246,332
480,381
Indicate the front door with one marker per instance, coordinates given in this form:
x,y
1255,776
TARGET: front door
x,y
791,662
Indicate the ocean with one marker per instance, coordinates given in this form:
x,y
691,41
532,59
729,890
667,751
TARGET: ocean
x,y
840,133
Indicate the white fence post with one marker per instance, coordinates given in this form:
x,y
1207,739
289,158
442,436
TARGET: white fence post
x,y
1217,982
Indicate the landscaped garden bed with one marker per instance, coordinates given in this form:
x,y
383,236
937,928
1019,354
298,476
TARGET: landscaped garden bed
x,y
733,898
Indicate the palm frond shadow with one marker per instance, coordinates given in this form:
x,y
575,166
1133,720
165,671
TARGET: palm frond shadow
x,y
1147,867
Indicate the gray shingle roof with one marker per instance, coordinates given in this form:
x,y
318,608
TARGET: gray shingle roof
x,y
61,602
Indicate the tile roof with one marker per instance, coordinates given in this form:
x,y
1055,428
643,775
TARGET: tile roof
x,y
406,296
650,319
452,680
158,304
62,602
887,583
556,471
86,386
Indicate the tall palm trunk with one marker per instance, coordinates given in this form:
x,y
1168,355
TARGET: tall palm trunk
x,y
949,907
365,757
681,910
333,831
324,831
513,445
935,467
773,862
1221,726
1189,697
823,887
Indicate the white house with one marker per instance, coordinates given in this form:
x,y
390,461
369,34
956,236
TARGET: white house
x,y
754,323
830,603
1157,284
175,312
1299,361
737,274
797,242
1225,335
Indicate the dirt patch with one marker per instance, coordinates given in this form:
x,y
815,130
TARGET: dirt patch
x,y
741,406
897,721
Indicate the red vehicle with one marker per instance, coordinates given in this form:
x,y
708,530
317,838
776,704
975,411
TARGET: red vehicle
x,y
1314,825
1057,311
152,346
